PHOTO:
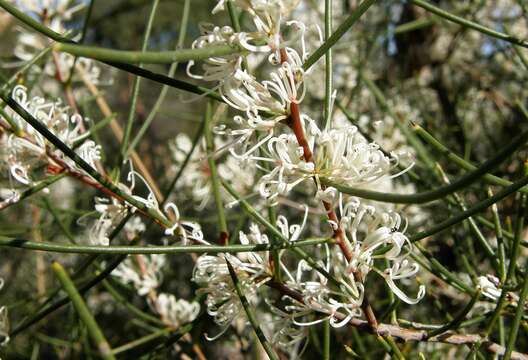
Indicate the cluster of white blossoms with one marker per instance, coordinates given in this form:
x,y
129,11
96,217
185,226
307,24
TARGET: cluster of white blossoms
x,y
259,137
144,273
25,151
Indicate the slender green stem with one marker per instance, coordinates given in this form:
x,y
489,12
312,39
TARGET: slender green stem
x,y
166,249
440,192
414,25
215,179
439,147
326,340
519,312
461,216
394,349
518,235
233,16
340,31
501,251
251,314
469,24
328,66
142,341
84,313
165,88
135,87
147,57
457,320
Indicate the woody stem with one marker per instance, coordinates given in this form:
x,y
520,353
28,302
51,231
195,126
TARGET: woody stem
x,y
294,122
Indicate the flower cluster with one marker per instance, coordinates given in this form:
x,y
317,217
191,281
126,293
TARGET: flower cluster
x,y
145,274
331,289
26,151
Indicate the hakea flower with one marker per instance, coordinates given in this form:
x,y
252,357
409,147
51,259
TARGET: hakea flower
x,y
267,16
217,68
212,274
291,232
252,269
113,210
290,167
142,271
30,150
340,155
176,312
321,303
265,105
375,235
280,329
243,92
196,179
489,285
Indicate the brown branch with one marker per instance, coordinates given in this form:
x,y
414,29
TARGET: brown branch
x,y
294,122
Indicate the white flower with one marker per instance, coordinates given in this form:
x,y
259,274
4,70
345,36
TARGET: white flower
x,y
293,232
290,168
403,270
111,211
369,230
30,150
243,92
176,312
217,68
345,156
341,155
489,286
187,230
142,271
212,274
339,307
